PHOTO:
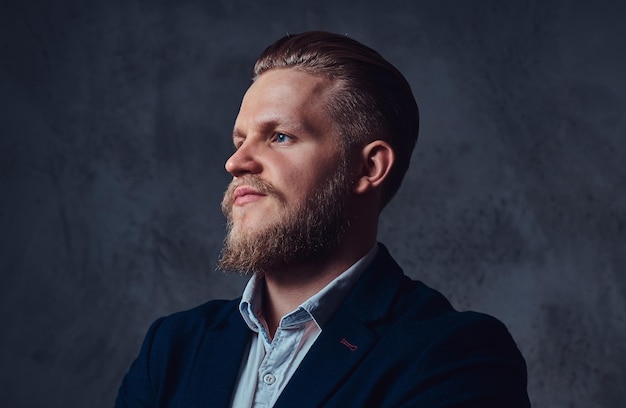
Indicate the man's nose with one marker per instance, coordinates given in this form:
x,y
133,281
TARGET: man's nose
x,y
243,161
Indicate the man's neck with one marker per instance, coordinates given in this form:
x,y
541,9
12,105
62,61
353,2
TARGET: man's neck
x,y
286,289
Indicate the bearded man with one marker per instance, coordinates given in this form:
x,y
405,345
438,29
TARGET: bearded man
x,y
322,141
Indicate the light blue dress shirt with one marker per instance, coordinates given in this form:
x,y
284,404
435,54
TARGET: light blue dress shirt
x,y
269,364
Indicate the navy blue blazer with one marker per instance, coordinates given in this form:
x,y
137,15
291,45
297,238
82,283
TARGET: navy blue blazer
x,y
393,342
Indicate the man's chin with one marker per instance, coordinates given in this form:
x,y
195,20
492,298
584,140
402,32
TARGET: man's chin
x,y
269,252
243,252
249,223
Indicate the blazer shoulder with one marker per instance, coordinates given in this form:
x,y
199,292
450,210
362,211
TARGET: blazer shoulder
x,y
424,310
436,351
208,316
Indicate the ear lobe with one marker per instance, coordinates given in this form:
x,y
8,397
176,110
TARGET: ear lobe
x,y
377,158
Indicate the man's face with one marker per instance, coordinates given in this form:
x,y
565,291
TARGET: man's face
x,y
287,198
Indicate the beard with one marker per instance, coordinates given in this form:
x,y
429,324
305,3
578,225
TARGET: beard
x,y
310,230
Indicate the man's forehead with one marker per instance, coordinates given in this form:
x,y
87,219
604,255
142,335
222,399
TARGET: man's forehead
x,y
285,97
291,80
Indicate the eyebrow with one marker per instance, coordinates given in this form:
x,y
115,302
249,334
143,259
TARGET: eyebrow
x,y
237,134
295,127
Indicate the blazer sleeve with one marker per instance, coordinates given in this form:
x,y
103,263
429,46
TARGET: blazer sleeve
x,y
137,389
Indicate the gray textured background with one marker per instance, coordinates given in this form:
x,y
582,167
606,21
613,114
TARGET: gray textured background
x,y
114,126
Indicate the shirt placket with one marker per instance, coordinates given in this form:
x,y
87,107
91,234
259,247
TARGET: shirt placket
x,y
278,355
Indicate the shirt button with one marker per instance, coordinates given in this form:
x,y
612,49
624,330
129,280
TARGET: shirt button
x,y
269,379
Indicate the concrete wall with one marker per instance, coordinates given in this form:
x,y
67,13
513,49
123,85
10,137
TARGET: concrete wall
x,y
115,121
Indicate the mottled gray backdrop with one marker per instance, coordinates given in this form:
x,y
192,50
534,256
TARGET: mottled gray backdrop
x,y
115,121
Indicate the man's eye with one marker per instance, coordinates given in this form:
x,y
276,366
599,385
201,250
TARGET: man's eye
x,y
282,138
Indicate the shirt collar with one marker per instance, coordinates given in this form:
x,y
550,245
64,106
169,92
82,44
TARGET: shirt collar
x,y
319,307
251,301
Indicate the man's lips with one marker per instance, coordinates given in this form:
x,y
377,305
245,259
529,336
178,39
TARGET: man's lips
x,y
245,194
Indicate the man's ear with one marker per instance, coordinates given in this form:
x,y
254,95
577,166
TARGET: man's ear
x,y
376,160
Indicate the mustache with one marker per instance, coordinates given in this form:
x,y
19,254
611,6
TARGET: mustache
x,y
256,183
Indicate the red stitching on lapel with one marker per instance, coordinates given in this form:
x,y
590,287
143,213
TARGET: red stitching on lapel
x,y
345,342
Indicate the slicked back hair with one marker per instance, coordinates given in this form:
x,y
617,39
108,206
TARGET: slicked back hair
x,y
371,99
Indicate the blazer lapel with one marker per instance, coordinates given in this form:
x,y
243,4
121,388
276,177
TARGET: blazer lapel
x,y
347,338
217,362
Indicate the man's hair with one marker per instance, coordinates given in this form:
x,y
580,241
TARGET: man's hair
x,y
371,99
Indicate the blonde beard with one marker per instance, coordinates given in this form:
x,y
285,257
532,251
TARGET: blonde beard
x,y
309,230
